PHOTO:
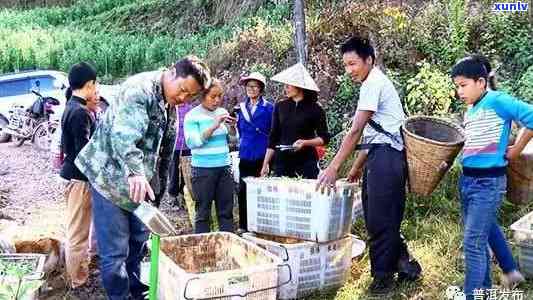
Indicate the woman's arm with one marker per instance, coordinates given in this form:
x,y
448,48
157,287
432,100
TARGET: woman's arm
x,y
266,162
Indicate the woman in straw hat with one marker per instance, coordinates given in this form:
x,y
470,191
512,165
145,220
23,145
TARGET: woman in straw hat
x,y
298,126
254,117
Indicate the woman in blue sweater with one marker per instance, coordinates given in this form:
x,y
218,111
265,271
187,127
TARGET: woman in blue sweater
x,y
485,156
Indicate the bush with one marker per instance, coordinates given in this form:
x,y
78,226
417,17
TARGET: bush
x,y
55,16
524,88
430,92
30,40
264,69
505,39
341,109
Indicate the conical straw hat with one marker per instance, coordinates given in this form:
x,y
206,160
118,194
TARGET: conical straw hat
x,y
298,76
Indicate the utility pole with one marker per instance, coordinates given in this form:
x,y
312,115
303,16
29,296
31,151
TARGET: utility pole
x,y
530,16
300,36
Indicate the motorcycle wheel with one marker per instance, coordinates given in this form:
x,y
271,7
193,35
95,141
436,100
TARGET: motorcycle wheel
x,y
42,137
17,141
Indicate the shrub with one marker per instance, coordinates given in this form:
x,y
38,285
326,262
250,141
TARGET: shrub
x,y
504,38
524,87
341,109
430,92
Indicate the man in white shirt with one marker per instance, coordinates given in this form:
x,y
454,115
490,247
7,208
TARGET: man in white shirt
x,y
378,120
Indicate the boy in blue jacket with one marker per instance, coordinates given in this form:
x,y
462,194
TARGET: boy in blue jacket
x,y
483,183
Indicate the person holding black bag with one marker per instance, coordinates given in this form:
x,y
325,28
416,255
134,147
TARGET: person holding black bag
x,y
254,119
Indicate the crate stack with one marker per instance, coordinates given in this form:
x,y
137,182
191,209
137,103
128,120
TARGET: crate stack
x,y
523,235
308,230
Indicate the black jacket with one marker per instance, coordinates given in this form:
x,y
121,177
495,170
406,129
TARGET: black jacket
x,y
77,125
293,120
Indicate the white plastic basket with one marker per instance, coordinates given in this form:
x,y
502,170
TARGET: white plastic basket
x,y
35,259
523,229
292,208
314,266
216,266
145,273
32,280
523,235
357,210
235,165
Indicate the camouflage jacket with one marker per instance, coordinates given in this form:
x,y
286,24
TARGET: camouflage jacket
x,y
135,137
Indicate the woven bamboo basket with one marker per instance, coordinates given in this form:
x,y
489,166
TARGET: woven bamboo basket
x,y
520,176
185,166
431,144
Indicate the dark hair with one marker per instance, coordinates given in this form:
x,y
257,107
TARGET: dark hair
x,y
491,78
192,66
80,74
475,67
359,45
68,93
311,95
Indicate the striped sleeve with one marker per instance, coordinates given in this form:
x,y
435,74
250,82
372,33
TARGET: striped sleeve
x,y
191,131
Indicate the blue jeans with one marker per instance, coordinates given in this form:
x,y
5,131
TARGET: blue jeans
x,y
481,198
121,239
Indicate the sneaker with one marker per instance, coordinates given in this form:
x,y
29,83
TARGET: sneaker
x,y
409,270
512,279
381,286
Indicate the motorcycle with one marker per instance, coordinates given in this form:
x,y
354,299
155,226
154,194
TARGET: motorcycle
x,y
33,123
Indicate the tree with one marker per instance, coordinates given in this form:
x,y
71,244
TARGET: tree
x,y
300,38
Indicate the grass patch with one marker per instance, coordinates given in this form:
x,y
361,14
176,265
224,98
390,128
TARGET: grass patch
x,y
433,229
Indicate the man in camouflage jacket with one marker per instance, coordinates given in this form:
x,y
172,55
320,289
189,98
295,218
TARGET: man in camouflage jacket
x,y
122,157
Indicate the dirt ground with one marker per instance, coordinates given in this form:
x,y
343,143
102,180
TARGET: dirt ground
x,y
32,207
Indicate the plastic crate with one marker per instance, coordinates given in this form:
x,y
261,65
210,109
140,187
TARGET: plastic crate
x,y
523,235
36,263
235,165
291,207
357,210
314,266
216,265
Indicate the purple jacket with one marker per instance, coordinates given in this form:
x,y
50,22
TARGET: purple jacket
x,y
181,110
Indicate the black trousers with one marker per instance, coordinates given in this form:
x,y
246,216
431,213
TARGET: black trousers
x,y
383,194
177,182
289,165
208,185
247,168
